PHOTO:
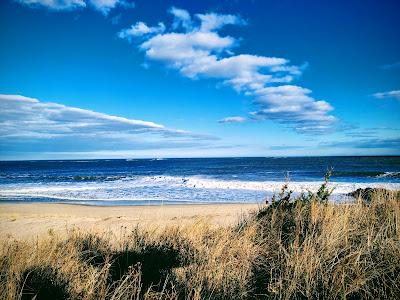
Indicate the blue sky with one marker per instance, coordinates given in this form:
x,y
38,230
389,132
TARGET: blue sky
x,y
113,79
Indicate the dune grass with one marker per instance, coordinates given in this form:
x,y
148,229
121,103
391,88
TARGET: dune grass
x,y
294,248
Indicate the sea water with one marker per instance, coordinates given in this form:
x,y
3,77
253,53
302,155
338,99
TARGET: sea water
x,y
188,180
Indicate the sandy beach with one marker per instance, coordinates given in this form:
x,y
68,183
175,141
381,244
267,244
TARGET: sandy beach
x,y
27,221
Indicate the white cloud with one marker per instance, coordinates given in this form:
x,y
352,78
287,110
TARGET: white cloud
x,y
140,29
181,18
17,98
211,22
55,4
28,120
232,120
391,94
293,103
24,115
198,50
183,50
103,6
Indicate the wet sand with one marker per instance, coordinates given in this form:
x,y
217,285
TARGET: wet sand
x,y
26,221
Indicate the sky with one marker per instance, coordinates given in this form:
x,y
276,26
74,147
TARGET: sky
x,y
143,79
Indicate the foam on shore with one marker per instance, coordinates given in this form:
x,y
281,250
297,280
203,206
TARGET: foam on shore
x,y
170,188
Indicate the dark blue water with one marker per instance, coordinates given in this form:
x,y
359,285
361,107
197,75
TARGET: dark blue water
x,y
200,180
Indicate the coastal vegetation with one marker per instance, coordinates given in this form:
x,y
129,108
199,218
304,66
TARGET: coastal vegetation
x,y
296,247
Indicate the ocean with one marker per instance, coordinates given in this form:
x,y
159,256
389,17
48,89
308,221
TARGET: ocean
x,y
187,180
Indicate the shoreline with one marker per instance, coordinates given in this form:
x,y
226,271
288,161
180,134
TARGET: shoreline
x,y
189,192
157,204
27,221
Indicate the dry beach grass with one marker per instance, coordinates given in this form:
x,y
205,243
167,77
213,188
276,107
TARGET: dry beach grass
x,y
292,249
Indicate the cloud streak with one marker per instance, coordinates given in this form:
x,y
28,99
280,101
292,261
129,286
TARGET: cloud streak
x,y
232,120
368,143
395,65
390,94
195,48
103,6
141,29
25,120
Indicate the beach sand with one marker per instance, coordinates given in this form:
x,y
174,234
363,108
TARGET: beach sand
x,y
29,221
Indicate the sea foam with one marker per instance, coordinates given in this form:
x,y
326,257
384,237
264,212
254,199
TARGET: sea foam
x,y
175,188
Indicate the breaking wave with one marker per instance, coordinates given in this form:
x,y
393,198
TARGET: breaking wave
x,y
371,174
169,188
389,174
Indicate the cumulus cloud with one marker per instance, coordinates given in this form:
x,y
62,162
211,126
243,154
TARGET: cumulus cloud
x,y
290,103
210,22
232,120
196,49
391,94
28,120
140,29
103,6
